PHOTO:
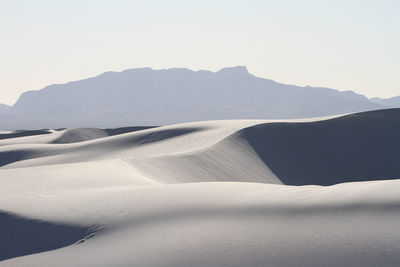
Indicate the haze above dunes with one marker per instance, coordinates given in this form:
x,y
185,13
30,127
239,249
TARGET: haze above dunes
x,y
161,97
213,193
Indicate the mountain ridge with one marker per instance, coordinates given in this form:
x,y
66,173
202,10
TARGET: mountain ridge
x,y
144,96
393,102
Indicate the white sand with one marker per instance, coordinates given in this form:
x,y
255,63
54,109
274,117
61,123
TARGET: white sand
x,y
194,194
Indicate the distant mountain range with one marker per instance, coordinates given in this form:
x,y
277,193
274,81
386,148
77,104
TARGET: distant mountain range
x,y
157,97
393,102
4,108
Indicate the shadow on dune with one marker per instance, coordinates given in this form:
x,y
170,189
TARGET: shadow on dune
x,y
8,157
123,130
22,236
358,147
23,133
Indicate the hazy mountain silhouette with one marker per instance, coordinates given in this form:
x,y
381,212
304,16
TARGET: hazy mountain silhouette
x,y
393,102
6,117
157,97
4,108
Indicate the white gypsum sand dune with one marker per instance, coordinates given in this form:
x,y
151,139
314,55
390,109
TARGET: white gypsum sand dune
x,y
206,194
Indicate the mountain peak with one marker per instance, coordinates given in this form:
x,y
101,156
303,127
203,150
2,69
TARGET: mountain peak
x,y
235,70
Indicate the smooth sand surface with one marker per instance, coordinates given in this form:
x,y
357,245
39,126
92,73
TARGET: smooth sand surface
x,y
216,193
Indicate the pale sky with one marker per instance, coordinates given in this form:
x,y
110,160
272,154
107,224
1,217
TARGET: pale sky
x,y
342,44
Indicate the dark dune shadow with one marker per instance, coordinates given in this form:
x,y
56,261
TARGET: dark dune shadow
x,y
123,130
8,157
358,147
22,236
23,133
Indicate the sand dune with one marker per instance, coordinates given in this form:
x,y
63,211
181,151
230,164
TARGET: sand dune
x,y
214,193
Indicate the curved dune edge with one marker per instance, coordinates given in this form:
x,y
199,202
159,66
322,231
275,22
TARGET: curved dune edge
x,y
213,194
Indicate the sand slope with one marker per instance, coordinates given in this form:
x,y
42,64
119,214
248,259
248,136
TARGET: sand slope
x,y
206,194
